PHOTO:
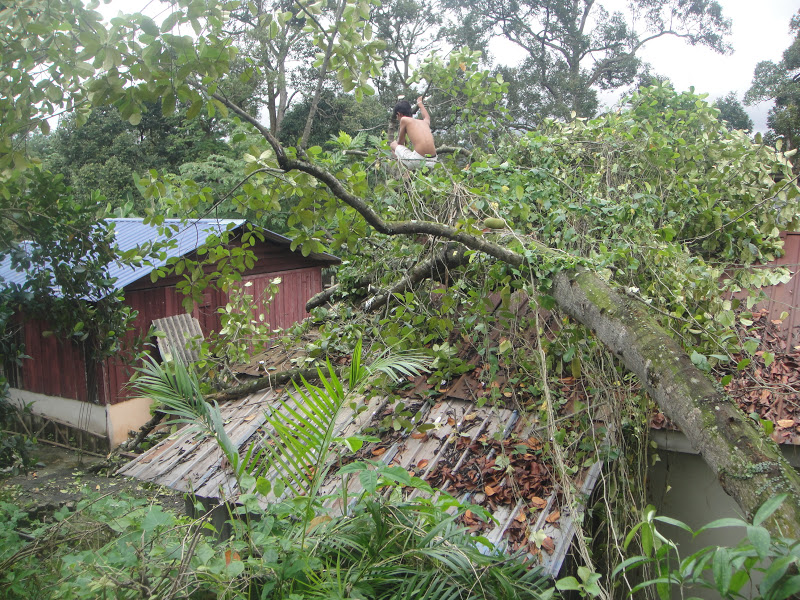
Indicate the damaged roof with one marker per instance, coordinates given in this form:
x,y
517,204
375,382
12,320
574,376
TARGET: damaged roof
x,y
458,451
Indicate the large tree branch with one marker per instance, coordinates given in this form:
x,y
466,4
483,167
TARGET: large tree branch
x,y
447,258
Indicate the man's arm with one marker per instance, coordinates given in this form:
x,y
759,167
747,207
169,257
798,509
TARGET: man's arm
x,y
401,134
425,116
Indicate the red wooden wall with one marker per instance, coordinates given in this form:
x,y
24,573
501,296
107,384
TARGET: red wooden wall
x,y
288,307
58,368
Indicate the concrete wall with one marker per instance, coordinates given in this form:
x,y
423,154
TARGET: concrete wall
x,y
82,415
682,486
112,421
126,416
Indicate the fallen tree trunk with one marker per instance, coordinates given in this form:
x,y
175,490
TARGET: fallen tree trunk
x,y
324,296
749,465
447,258
262,383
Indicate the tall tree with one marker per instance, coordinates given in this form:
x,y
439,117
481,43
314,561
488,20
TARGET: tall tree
x,y
573,48
732,112
781,82
106,153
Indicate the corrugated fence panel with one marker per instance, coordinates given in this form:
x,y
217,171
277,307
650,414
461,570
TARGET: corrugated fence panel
x,y
785,297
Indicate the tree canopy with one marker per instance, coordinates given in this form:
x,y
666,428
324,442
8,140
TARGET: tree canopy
x,y
779,82
574,49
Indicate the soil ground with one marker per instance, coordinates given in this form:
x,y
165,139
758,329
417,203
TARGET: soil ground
x,y
63,477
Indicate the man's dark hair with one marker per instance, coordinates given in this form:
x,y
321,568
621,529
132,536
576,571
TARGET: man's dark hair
x,y
403,108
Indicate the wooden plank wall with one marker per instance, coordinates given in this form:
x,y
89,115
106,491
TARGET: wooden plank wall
x,y
59,369
288,307
52,358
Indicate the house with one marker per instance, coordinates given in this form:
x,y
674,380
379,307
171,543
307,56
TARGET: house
x,y
80,400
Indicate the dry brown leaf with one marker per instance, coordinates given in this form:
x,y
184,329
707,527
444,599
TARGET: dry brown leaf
x,y
521,517
470,416
786,423
553,516
422,464
451,421
419,436
317,521
378,451
489,490
548,545
537,502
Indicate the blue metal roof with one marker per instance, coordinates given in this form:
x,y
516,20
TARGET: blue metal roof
x,y
186,237
132,233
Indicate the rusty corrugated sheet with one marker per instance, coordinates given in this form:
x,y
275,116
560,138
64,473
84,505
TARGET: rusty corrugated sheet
x,y
458,444
785,297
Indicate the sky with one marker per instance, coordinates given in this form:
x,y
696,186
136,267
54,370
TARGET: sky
x,y
760,31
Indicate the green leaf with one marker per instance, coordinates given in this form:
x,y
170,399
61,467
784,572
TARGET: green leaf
x,y
263,486
789,588
725,522
723,570
369,480
149,27
770,506
760,539
568,583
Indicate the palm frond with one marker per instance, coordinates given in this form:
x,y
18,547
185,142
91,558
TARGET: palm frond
x,y
175,389
302,428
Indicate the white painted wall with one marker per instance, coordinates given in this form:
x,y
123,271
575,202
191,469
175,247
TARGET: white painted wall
x,y
113,421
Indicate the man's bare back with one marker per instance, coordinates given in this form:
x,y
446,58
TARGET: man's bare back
x,y
418,132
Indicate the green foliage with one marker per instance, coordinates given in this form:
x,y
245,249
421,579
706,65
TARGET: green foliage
x,y
656,198
336,112
778,82
124,548
732,112
15,448
729,571
65,265
104,153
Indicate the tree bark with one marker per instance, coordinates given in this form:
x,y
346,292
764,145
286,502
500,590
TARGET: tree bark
x,y
441,262
261,383
749,465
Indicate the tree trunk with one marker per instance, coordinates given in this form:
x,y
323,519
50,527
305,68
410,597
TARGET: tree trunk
x,y
749,466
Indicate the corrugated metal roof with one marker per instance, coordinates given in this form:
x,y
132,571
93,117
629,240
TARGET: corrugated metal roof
x,y
182,337
459,453
131,233
185,238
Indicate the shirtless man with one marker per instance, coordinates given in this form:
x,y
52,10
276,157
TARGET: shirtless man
x,y
418,132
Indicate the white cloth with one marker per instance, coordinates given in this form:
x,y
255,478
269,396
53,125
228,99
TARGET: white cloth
x,y
413,159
